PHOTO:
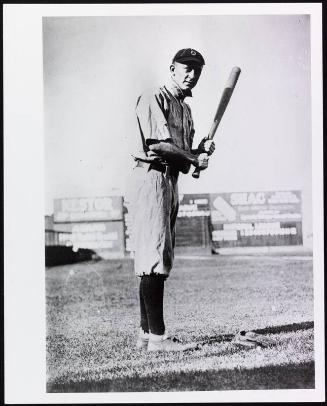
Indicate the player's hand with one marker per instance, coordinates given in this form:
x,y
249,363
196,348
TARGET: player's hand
x,y
202,161
207,146
156,158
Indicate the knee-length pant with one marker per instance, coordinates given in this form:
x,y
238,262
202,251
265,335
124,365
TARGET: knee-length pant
x,y
155,215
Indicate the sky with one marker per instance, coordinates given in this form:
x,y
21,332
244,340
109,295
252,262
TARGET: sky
x,y
96,67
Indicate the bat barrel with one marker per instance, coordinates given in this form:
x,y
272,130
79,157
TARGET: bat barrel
x,y
235,73
227,93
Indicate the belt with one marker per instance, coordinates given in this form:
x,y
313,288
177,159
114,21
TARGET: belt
x,y
159,168
165,169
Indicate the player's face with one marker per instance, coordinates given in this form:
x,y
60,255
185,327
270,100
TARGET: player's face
x,y
186,75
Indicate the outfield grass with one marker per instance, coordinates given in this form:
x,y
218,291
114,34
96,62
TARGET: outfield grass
x,y
92,322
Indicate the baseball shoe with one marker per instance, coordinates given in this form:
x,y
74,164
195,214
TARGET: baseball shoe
x,y
259,339
164,343
251,339
241,339
142,340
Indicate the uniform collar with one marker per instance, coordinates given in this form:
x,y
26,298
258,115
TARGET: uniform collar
x,y
177,91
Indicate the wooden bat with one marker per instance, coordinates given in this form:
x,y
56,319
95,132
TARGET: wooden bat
x,y
227,94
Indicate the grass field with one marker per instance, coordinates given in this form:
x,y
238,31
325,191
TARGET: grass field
x,y
92,322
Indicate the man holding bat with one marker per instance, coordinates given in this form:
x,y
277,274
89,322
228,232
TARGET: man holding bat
x,y
165,149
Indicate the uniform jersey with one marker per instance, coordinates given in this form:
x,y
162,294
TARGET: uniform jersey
x,y
162,115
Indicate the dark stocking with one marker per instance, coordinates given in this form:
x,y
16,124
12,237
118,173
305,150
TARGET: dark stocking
x,y
151,301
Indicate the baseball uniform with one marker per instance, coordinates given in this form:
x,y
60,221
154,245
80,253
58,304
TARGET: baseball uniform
x,y
162,115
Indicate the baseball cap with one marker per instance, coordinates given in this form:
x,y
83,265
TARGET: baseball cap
x,y
189,55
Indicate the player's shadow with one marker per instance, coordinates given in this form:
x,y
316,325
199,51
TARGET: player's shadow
x,y
267,330
286,328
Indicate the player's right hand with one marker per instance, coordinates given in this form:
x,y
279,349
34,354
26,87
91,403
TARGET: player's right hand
x,y
202,161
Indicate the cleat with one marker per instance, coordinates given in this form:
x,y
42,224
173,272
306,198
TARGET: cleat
x,y
170,344
142,340
251,339
242,341
260,339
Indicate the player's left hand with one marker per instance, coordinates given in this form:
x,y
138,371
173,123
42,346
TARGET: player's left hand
x,y
207,146
157,158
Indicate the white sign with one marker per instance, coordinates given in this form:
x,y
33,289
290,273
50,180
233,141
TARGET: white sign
x,y
224,211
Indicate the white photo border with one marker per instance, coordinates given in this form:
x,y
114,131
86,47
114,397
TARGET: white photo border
x,y
24,285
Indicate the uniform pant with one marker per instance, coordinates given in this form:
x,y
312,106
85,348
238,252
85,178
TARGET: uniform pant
x,y
155,215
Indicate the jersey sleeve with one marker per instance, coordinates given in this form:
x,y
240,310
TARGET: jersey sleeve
x,y
151,112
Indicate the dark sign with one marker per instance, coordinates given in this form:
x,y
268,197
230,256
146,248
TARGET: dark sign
x,y
192,226
194,205
256,218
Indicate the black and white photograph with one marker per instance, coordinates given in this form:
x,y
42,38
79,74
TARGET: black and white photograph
x,y
163,203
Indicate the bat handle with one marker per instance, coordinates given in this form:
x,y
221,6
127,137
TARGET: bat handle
x,y
196,173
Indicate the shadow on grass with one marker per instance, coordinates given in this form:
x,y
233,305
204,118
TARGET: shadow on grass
x,y
307,325
291,376
286,328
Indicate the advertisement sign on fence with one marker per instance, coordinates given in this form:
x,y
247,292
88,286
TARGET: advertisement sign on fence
x,y
96,236
88,209
256,218
192,226
194,205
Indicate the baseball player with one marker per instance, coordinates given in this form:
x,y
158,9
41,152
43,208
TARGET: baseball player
x,y
165,149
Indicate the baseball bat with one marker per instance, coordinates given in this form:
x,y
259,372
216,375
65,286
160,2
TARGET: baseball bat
x,y
224,100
